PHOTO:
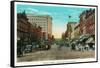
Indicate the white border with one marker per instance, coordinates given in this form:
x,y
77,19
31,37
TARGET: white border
x,y
51,61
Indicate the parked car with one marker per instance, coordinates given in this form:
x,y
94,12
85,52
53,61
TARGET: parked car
x,y
28,48
20,51
34,45
20,48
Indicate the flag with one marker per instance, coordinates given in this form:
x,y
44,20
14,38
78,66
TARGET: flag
x,y
69,16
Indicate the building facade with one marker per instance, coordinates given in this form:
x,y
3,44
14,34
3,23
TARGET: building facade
x,y
86,25
90,19
87,22
77,31
45,22
70,28
69,33
26,32
22,26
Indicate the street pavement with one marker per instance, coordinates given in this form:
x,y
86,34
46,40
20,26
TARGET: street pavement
x,y
56,54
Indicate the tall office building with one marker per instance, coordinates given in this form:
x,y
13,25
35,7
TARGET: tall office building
x,y
44,21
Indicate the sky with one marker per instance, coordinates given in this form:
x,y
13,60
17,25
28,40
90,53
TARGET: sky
x,y
59,14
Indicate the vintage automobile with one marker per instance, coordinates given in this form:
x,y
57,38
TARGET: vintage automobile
x,y
20,48
45,45
28,48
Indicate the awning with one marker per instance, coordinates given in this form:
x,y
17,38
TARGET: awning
x,y
90,40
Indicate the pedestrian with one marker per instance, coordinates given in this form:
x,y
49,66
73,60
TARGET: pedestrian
x,y
87,47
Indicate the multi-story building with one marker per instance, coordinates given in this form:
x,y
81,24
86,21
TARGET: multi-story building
x,y
45,22
77,31
87,22
90,20
22,26
26,31
82,23
70,29
86,25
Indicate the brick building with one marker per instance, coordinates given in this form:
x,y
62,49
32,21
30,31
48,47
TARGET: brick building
x,y
87,22
23,26
90,19
26,31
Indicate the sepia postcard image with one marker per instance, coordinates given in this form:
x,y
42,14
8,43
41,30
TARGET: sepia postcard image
x,y
47,33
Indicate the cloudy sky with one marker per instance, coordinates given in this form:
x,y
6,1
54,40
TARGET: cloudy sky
x,y
59,14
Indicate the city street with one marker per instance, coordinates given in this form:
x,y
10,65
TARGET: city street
x,y
54,54
71,28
